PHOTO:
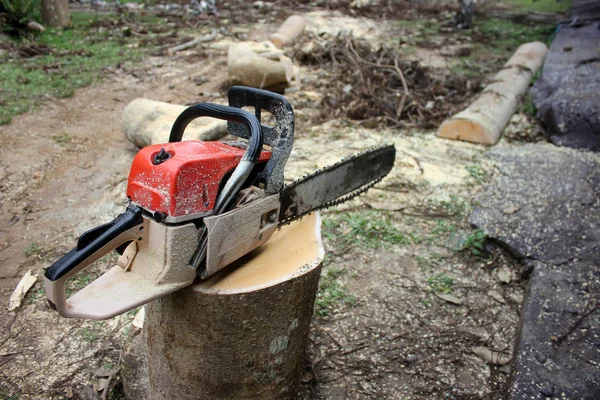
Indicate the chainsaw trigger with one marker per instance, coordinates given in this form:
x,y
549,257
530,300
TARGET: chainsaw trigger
x,y
128,255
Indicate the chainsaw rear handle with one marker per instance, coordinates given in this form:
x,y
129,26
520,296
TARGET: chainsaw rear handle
x,y
232,114
91,246
126,227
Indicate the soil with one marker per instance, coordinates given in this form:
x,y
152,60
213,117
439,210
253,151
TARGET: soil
x,y
395,338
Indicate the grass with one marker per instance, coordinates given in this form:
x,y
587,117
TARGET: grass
x,y
78,282
331,293
494,40
76,57
540,5
477,173
441,284
36,250
61,139
367,229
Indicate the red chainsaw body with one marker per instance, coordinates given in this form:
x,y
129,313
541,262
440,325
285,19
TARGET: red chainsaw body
x,y
185,183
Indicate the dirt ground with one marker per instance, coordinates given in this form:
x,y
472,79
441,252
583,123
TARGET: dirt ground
x,y
401,307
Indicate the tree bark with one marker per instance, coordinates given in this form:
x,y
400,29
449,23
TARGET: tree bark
x,y
484,120
242,333
55,13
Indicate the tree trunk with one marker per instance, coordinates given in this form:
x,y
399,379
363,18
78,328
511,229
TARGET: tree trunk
x,y
55,13
484,120
242,333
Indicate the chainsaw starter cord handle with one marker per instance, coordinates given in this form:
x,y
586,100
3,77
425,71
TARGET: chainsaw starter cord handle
x,y
227,113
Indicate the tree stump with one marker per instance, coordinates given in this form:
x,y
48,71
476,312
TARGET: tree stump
x,y
242,333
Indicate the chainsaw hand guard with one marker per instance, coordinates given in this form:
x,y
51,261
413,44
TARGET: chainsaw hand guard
x,y
152,265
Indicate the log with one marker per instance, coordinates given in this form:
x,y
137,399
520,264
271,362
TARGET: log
x,y
259,64
262,64
147,122
242,333
484,120
288,31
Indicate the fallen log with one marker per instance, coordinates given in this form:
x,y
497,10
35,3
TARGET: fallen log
x,y
147,122
263,64
484,120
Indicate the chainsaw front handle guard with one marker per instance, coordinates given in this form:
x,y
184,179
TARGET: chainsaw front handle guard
x,y
280,137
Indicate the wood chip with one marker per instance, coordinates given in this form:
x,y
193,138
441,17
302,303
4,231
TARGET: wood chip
x,y
449,298
490,356
21,290
496,295
138,320
504,275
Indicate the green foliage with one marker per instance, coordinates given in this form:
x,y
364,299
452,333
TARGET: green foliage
x,y
454,206
477,173
61,139
475,242
369,229
18,13
541,5
441,283
36,250
88,334
331,293
70,59
78,282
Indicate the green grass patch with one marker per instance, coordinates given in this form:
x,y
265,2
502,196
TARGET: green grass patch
x,y
367,229
494,40
332,293
70,58
441,283
540,5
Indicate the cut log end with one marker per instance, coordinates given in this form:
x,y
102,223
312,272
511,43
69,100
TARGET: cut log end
x,y
468,131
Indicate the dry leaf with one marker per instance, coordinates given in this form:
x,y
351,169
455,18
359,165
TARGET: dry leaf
x,y
494,294
449,298
21,290
138,320
492,357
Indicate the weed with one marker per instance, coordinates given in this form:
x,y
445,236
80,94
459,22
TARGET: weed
x,y
35,293
61,139
36,250
443,227
477,172
78,282
88,334
370,229
474,242
454,206
441,283
331,292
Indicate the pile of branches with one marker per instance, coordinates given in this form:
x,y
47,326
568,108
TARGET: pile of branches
x,y
364,84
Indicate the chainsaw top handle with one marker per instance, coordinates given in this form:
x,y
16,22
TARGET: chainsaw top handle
x,y
232,114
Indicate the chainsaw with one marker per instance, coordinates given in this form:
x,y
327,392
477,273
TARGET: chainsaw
x,y
195,207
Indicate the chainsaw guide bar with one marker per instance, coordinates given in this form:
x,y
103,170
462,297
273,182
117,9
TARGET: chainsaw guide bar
x,y
335,184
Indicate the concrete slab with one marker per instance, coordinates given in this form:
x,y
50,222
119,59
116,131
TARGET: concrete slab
x,y
555,231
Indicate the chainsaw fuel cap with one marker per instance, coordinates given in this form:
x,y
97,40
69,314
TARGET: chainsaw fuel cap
x,y
161,157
